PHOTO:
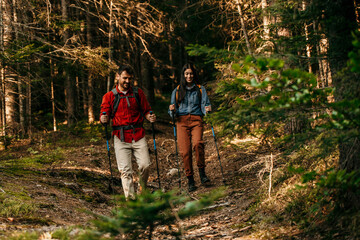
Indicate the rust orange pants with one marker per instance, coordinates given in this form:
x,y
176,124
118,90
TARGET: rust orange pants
x,y
190,138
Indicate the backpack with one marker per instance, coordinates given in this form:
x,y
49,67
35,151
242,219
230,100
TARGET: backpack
x,y
198,89
117,100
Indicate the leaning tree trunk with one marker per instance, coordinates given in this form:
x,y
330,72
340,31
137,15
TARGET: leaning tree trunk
x,y
243,27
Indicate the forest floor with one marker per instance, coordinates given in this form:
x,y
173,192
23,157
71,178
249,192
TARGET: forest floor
x,y
73,176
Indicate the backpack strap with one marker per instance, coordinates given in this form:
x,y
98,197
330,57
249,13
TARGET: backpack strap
x,y
117,100
198,89
177,96
137,98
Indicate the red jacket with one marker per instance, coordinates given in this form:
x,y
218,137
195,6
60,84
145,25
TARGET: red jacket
x,y
126,115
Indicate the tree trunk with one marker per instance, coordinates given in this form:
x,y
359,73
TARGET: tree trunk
x,y
69,84
322,51
19,79
2,82
10,76
53,107
266,20
110,40
171,56
243,27
308,45
28,104
89,89
3,117
341,22
90,96
146,78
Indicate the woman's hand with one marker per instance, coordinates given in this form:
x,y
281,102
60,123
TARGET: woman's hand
x,y
172,107
208,109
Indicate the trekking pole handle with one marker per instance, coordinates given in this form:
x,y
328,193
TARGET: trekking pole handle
x,y
106,134
152,124
212,128
213,133
173,118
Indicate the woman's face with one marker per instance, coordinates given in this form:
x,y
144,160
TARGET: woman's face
x,y
189,76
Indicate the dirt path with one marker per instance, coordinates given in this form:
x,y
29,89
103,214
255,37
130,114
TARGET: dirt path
x,y
79,181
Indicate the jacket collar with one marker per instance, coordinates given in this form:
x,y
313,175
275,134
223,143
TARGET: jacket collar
x,y
127,93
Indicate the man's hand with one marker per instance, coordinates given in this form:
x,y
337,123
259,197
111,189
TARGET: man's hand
x,y
104,119
172,107
151,117
208,109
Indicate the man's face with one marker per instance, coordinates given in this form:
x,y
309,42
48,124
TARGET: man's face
x,y
124,80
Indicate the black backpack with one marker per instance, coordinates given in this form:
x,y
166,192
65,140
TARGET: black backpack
x,y
117,100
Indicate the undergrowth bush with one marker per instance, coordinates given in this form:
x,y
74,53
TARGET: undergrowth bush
x,y
291,116
138,218
12,207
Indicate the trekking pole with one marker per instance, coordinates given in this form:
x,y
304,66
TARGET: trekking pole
x,y
108,150
176,150
155,151
217,150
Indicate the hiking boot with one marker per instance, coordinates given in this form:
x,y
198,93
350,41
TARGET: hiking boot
x,y
191,183
204,179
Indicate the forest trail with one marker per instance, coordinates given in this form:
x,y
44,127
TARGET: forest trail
x,y
64,188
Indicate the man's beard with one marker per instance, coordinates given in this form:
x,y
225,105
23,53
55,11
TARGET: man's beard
x,y
125,86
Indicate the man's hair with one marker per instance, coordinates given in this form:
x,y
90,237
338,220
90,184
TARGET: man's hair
x,y
126,68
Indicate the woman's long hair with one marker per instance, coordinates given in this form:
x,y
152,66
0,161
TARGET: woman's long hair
x,y
182,88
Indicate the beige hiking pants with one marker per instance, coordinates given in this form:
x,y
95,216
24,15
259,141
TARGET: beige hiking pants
x,y
123,152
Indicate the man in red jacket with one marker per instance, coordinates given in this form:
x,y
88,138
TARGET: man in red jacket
x,y
127,124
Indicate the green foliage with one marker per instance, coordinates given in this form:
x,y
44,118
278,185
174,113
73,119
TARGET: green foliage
x,y
333,187
262,96
62,234
324,196
80,132
141,215
262,91
354,56
211,53
24,236
33,162
23,54
13,207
